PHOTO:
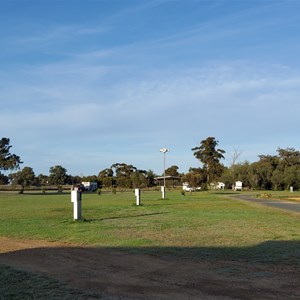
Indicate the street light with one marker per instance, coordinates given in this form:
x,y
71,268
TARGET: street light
x,y
164,151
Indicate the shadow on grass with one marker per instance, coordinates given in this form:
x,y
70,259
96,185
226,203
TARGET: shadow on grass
x,y
18,284
158,272
48,193
225,193
287,252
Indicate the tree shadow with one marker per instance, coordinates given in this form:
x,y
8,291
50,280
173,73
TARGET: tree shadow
x,y
269,270
48,193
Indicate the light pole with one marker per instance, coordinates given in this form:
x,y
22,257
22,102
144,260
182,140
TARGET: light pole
x,y
164,151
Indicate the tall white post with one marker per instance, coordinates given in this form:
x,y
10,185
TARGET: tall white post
x,y
138,196
76,199
163,192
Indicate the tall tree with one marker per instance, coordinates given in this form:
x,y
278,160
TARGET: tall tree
x,y
123,174
139,179
25,177
8,161
195,177
4,179
289,165
289,156
42,179
210,156
105,178
150,175
262,171
172,171
58,175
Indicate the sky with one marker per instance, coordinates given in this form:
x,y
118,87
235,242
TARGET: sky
x,y
88,83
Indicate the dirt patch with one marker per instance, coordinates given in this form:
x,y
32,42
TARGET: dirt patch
x,y
294,199
120,275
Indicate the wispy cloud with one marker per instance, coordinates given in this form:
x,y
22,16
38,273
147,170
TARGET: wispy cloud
x,y
191,95
53,36
105,87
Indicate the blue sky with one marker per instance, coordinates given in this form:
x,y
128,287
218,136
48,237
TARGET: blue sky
x,y
86,83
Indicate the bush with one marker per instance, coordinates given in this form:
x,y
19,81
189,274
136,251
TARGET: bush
x,y
98,191
264,195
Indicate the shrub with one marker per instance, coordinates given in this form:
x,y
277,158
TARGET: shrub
x,y
264,195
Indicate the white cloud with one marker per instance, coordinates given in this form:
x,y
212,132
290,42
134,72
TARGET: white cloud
x,y
236,103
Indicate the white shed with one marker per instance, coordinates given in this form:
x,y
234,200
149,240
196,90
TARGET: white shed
x,y
238,186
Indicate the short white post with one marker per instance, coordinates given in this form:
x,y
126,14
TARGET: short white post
x,y
163,192
76,199
138,196
291,189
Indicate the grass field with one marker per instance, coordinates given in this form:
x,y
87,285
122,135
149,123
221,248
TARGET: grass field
x,y
202,222
196,226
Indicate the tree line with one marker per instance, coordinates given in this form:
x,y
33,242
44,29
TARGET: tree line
x,y
277,172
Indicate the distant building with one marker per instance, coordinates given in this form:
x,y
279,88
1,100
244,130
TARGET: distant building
x,y
90,186
170,181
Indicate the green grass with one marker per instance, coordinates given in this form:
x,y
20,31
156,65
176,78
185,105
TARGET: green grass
x,y
201,222
202,225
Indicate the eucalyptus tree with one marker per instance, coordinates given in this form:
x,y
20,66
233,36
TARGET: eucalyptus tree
x,y
262,171
4,179
196,177
42,180
123,174
289,156
139,179
106,178
58,175
172,171
210,157
8,161
24,178
289,166
150,175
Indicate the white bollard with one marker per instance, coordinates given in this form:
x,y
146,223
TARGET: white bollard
x,y
163,192
137,193
291,189
76,199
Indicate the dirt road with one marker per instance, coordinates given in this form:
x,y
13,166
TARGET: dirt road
x,y
121,275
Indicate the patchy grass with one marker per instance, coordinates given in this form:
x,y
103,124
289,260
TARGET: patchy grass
x,y
280,195
17,284
200,219
202,225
